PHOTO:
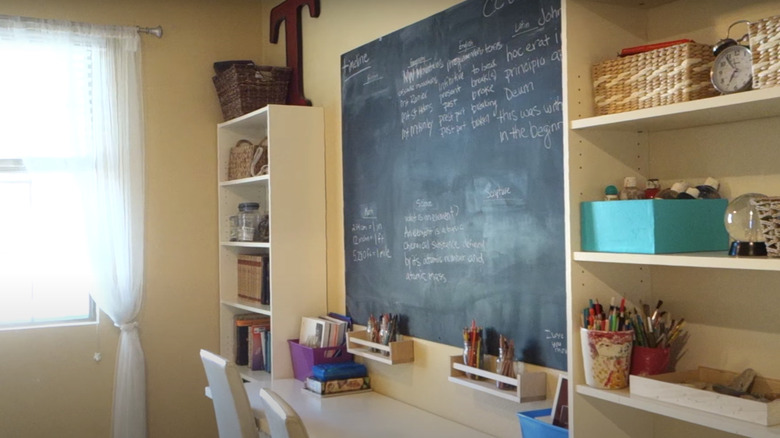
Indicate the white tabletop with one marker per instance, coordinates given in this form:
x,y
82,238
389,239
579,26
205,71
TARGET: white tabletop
x,y
362,415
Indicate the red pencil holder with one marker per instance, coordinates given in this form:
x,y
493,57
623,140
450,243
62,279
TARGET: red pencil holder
x,y
646,361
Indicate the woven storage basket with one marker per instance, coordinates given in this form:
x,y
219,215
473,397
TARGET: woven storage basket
x,y
769,216
244,88
765,46
658,77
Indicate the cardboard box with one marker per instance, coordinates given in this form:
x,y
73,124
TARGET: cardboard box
x,y
338,385
654,226
682,388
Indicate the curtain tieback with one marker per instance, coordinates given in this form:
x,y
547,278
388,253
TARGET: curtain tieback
x,y
127,326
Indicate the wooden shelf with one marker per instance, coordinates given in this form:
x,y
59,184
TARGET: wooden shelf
x,y
737,107
254,376
715,259
394,353
695,416
245,181
238,245
527,387
250,306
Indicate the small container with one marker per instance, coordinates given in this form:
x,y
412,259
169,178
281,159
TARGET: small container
x,y
709,190
248,219
629,189
672,192
610,193
689,193
652,187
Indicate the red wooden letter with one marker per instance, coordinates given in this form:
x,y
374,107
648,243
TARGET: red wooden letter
x,y
289,11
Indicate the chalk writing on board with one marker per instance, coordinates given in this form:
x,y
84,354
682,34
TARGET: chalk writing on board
x,y
453,176
557,341
368,237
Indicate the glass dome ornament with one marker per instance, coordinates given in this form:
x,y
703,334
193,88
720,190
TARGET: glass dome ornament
x,y
742,224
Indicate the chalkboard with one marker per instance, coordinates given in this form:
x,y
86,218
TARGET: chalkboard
x,y
453,177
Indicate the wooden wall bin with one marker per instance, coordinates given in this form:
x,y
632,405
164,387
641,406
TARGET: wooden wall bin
x,y
396,352
529,386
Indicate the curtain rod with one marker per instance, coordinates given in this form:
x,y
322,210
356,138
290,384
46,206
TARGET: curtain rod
x,y
156,31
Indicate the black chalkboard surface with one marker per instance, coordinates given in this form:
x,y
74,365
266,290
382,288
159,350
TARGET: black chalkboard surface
x,y
453,177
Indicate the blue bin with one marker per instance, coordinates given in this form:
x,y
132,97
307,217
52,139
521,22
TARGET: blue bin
x,y
654,226
533,428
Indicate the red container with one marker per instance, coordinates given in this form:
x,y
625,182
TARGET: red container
x,y
646,361
304,358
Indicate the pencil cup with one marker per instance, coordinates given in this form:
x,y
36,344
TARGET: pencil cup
x,y
607,357
646,361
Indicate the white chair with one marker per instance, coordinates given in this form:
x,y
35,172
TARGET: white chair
x,y
235,416
283,421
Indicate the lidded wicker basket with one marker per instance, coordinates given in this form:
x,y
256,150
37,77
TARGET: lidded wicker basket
x,y
768,209
243,88
672,74
765,47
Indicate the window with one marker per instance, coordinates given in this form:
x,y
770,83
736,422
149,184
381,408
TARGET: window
x,y
45,121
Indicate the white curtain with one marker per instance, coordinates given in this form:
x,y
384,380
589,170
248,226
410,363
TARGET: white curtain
x,y
78,123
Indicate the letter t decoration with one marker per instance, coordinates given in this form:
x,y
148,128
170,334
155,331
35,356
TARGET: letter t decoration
x,y
289,11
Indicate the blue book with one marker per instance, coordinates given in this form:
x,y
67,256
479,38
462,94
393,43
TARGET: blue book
x,y
340,370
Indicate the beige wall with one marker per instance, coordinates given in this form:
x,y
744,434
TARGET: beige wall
x,y
344,25
49,384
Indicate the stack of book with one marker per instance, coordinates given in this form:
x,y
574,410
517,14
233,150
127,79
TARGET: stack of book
x,y
324,331
253,341
338,379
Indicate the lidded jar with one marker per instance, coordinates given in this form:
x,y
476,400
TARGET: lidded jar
x,y
248,220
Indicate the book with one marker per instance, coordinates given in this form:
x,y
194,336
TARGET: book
x,y
337,386
257,352
265,295
338,331
243,322
338,370
312,333
341,317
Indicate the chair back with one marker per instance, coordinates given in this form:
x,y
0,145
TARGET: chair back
x,y
283,421
231,404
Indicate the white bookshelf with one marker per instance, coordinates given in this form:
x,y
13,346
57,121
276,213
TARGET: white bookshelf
x,y
732,138
293,194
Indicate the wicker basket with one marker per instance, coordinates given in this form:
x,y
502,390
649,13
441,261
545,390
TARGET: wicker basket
x,y
765,46
243,88
769,215
658,77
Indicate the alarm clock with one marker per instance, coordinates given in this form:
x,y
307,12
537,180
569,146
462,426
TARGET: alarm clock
x,y
732,70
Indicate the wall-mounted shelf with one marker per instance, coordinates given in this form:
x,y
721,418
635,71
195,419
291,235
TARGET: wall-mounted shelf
x,y
713,259
396,352
691,415
526,387
737,107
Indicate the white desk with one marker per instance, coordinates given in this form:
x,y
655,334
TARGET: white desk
x,y
363,415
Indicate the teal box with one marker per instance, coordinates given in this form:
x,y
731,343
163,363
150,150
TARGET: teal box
x,y
654,226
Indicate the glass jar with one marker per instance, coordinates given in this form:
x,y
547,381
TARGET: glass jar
x,y
233,228
504,367
472,351
248,219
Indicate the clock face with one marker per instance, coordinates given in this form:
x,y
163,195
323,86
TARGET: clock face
x,y
732,70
